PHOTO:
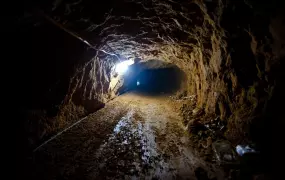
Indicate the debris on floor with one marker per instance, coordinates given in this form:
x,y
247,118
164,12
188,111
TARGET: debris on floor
x,y
244,149
224,152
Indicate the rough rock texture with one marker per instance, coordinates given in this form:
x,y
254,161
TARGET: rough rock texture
x,y
181,33
255,57
229,51
90,84
226,48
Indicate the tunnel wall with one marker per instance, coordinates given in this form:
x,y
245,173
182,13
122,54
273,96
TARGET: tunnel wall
x,y
228,50
56,79
90,84
38,84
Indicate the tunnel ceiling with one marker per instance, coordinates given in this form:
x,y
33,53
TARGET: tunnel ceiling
x,y
227,49
136,28
155,64
181,32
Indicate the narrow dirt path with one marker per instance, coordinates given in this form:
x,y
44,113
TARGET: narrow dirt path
x,y
133,137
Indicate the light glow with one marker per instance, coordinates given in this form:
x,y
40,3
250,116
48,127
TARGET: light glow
x,y
122,67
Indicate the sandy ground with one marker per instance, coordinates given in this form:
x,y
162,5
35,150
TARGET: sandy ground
x,y
133,137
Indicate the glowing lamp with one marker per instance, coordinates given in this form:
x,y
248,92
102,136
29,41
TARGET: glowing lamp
x,y
122,67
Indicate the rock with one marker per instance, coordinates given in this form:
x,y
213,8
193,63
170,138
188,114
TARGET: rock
x,y
209,141
224,152
197,111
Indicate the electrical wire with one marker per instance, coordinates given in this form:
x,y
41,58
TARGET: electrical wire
x,y
89,44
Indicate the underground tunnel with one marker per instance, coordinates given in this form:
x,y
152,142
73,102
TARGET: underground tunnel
x,y
145,89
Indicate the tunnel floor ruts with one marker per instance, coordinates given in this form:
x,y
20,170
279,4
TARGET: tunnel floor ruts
x,y
133,137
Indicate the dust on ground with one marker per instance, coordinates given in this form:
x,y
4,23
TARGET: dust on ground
x,y
136,136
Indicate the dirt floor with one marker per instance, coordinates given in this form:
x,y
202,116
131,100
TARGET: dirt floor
x,y
136,136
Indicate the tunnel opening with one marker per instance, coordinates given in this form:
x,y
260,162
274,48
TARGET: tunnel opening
x,y
165,80
153,77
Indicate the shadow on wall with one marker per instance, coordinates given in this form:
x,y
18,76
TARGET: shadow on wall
x,y
153,77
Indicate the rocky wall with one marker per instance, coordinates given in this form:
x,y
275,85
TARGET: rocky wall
x,y
227,49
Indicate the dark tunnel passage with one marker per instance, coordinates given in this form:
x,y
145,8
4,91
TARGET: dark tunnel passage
x,y
165,80
153,77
